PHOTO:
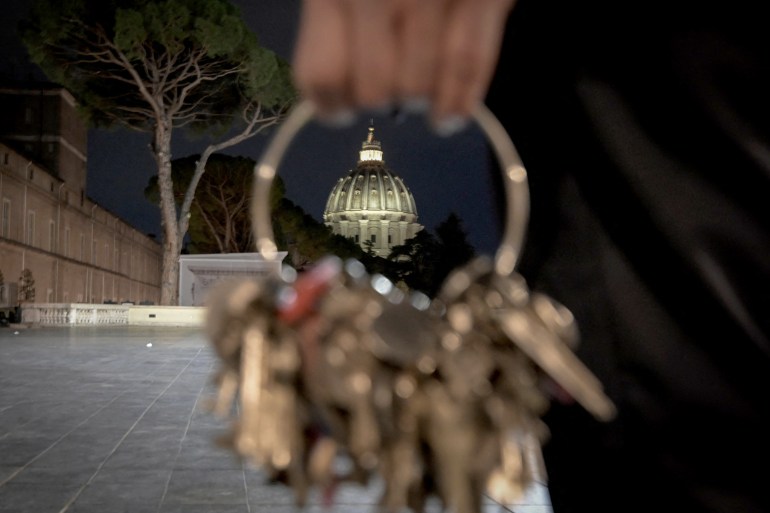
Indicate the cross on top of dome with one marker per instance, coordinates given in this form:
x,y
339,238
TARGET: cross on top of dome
x,y
371,149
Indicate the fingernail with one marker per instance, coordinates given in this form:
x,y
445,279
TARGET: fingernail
x,y
415,105
449,125
381,109
340,118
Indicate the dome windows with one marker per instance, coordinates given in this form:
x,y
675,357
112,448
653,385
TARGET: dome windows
x,y
372,205
371,155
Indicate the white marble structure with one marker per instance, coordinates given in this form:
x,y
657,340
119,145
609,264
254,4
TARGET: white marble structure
x,y
197,273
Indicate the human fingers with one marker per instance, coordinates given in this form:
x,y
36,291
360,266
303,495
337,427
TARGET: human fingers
x,y
322,58
373,52
421,29
470,50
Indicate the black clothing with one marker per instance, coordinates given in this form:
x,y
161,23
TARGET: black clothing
x,y
645,129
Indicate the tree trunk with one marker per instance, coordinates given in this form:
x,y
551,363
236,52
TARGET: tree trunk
x,y
169,291
255,125
169,285
175,225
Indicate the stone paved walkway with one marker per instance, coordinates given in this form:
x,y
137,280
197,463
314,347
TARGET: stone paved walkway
x,y
95,420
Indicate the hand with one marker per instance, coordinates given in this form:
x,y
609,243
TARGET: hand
x,y
419,55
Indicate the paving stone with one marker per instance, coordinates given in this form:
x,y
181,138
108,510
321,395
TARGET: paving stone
x,y
32,497
7,471
20,450
196,454
206,487
143,457
73,478
123,493
111,508
209,508
156,439
93,420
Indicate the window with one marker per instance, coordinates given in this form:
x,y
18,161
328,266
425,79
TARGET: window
x,y
31,227
6,218
373,238
390,239
28,115
356,237
5,159
49,296
51,236
31,172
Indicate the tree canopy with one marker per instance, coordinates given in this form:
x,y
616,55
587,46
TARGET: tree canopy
x,y
132,61
156,66
424,261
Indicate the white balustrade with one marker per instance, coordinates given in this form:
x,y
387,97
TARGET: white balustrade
x,y
67,314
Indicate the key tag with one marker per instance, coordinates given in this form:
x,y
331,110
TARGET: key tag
x,y
413,390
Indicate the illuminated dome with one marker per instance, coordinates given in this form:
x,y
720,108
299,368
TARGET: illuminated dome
x,y
372,204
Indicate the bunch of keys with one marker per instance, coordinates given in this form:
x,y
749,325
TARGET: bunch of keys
x,y
439,398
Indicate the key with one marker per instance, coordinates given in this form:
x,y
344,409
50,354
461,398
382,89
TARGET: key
x,y
452,436
539,341
402,463
540,327
437,397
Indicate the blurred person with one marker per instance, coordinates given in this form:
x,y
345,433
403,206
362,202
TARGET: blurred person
x,y
645,129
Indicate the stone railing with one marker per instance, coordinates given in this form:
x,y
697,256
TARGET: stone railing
x,y
67,314
84,314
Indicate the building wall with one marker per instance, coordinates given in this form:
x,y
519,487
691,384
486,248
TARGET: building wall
x,y
42,124
382,229
77,251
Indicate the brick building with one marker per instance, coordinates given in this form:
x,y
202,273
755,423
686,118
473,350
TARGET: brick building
x,y
76,250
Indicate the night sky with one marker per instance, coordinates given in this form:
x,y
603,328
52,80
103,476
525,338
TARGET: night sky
x,y
444,175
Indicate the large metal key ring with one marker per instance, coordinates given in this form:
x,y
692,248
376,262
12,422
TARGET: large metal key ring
x,y
554,357
514,177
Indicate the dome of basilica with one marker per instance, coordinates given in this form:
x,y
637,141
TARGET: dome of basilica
x,y
372,204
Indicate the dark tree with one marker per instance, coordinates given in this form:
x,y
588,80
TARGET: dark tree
x,y
424,261
414,262
220,219
455,250
219,212
26,287
307,239
157,66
